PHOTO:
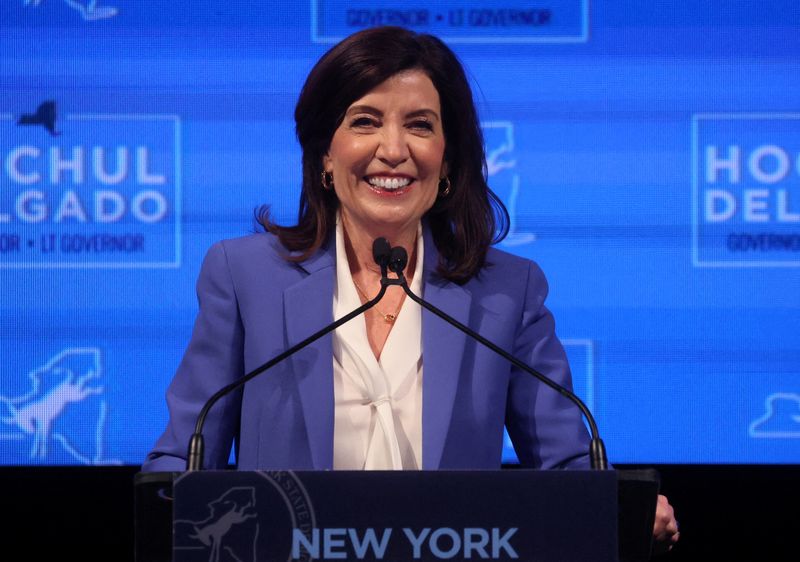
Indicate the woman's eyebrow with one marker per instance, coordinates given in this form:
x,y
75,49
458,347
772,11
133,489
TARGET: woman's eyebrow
x,y
424,113
364,109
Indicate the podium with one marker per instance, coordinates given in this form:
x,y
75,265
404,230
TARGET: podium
x,y
514,514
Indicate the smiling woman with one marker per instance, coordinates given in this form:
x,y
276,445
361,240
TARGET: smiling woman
x,y
391,148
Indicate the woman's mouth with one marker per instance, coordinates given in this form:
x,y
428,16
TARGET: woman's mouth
x,y
386,184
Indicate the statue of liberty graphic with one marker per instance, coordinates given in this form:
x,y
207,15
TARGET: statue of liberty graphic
x,y
780,418
64,398
233,512
90,10
503,177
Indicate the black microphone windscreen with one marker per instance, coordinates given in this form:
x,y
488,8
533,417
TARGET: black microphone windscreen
x,y
398,259
381,251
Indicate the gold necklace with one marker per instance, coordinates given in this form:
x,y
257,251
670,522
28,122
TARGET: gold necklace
x,y
388,318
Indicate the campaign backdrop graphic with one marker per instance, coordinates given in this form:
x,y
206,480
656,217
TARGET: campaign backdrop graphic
x,y
461,21
747,173
97,191
649,157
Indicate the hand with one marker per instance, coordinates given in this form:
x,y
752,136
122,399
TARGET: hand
x,y
665,527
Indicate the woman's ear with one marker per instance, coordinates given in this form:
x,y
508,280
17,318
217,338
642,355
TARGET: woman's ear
x,y
327,165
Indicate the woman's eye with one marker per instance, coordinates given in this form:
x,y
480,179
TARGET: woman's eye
x,y
362,122
422,125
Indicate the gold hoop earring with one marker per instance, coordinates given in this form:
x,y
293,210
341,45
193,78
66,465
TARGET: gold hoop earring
x,y
327,181
444,192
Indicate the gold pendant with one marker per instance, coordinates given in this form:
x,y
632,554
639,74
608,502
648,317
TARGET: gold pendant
x,y
389,318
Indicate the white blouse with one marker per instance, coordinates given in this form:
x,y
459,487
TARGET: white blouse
x,y
378,404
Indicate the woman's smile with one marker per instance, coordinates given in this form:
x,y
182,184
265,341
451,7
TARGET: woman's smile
x,y
390,185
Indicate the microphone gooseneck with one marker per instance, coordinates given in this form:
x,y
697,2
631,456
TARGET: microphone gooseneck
x,y
597,449
194,457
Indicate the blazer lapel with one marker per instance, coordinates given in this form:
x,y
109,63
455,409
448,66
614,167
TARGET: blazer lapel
x,y
442,352
308,307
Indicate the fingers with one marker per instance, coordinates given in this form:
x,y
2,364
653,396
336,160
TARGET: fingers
x,y
665,526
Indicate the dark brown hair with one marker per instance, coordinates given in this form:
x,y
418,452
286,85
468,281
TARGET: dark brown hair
x,y
464,223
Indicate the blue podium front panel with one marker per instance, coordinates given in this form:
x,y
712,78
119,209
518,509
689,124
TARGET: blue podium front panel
x,y
490,515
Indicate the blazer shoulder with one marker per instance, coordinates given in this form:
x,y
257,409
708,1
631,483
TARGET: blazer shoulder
x,y
498,256
250,260
508,283
261,257
503,267
262,244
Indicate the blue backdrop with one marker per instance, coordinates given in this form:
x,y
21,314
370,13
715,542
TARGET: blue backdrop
x,y
649,155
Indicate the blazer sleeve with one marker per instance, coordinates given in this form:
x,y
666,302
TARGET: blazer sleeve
x,y
546,429
213,359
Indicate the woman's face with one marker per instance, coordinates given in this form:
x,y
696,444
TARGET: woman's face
x,y
387,156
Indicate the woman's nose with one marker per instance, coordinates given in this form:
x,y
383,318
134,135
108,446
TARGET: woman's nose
x,y
393,147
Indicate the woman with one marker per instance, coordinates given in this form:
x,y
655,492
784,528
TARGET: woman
x,y
391,147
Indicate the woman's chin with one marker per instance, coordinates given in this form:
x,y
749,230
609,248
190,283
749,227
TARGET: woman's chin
x,y
387,220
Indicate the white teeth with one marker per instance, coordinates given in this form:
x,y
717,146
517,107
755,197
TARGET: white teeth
x,y
390,184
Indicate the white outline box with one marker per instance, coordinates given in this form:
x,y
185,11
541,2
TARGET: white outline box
x,y
583,37
588,345
589,397
176,263
695,170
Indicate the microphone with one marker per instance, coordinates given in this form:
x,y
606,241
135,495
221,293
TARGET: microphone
x,y
381,252
398,259
597,449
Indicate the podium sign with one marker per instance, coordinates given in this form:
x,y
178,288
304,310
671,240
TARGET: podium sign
x,y
287,516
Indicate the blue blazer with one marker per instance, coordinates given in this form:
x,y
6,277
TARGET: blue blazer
x,y
254,304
